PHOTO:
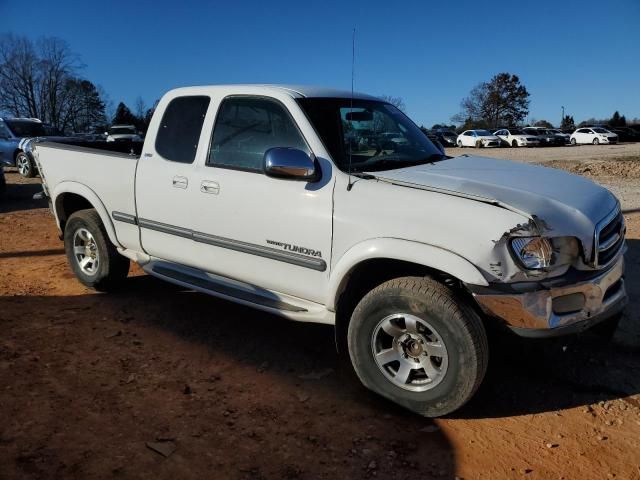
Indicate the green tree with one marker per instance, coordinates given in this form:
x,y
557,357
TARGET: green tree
x,y
503,100
568,123
124,116
84,108
617,120
443,126
543,123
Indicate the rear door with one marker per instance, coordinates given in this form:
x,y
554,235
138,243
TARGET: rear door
x,y
165,179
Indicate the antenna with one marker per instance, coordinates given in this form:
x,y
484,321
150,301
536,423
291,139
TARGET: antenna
x,y
353,62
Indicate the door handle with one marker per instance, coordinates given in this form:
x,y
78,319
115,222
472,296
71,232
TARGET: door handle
x,y
180,182
210,187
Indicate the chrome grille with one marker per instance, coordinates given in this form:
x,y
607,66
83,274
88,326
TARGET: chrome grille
x,y
609,238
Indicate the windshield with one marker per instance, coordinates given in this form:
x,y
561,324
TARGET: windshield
x,y
122,131
375,135
484,133
600,130
516,131
25,128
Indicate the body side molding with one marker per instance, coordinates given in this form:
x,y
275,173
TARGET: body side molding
x,y
299,260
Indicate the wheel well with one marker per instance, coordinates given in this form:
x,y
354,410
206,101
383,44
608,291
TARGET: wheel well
x,y
366,276
15,154
69,203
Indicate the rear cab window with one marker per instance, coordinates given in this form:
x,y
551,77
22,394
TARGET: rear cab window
x,y
180,128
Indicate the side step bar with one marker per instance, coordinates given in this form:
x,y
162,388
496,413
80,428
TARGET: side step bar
x,y
229,291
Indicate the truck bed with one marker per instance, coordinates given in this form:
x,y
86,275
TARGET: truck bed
x,y
107,176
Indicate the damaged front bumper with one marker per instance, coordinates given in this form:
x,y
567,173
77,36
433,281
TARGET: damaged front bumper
x,y
556,307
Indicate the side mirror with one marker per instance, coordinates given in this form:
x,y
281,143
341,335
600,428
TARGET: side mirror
x,y
289,163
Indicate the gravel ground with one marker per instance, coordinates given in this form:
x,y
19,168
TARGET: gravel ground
x,y
161,382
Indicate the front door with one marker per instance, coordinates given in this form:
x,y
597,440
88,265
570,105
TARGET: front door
x,y
269,232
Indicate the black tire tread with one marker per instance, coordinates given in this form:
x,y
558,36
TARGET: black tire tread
x,y
115,267
454,304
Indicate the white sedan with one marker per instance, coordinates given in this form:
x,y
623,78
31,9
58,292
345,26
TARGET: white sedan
x,y
516,137
477,138
593,135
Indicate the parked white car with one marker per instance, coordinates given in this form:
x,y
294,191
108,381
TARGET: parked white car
x,y
250,193
478,138
595,135
123,133
516,137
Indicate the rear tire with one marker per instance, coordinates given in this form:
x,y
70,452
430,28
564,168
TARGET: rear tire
x,y
91,255
25,165
596,141
419,344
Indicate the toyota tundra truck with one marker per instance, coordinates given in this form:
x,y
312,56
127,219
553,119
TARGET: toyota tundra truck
x,y
299,202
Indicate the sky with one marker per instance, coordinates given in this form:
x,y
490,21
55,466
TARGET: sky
x,y
583,55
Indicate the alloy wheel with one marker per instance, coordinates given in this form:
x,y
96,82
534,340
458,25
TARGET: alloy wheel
x,y
409,352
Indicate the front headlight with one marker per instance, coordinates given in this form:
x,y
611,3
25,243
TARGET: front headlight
x,y
535,253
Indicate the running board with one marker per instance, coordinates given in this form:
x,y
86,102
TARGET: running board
x,y
210,286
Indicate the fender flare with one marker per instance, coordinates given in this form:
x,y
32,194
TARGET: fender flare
x,y
404,250
92,198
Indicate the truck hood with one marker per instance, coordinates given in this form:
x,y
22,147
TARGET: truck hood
x,y
565,204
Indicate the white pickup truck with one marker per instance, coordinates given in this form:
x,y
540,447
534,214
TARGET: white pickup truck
x,y
295,201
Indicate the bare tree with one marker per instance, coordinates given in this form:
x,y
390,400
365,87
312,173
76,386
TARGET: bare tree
x,y
501,101
140,108
19,80
41,81
395,101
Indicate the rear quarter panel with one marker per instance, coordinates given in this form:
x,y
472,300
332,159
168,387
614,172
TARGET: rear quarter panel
x,y
106,180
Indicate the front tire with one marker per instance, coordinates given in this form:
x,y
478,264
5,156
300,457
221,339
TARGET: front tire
x,y
25,165
91,255
514,144
573,141
418,343
459,143
596,141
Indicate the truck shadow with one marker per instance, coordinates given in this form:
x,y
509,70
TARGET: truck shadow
x,y
168,356
19,194
534,376
525,376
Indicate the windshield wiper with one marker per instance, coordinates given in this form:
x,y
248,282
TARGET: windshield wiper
x,y
362,175
390,163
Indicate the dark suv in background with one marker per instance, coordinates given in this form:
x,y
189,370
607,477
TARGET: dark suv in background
x,y
547,138
13,134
